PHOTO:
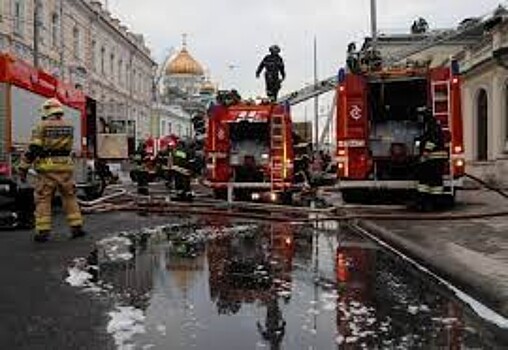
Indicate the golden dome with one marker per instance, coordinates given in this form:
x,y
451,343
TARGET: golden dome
x,y
207,87
184,63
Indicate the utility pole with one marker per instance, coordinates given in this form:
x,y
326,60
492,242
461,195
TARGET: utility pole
x,y
316,99
37,32
373,23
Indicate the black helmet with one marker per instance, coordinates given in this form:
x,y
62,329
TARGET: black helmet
x,y
274,49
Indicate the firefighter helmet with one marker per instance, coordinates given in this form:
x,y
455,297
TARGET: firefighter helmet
x,y
52,107
274,49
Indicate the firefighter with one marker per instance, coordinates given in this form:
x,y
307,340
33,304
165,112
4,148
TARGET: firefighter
x,y
141,172
181,169
162,165
273,66
50,154
433,158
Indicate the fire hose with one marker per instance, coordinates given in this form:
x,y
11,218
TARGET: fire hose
x,y
281,213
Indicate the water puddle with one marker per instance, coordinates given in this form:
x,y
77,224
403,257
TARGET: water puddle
x,y
223,285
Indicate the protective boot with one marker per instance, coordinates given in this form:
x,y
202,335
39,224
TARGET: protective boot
x,y
77,232
42,236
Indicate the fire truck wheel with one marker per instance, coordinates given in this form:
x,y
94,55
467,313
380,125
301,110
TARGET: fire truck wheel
x,y
220,193
134,175
286,198
354,196
447,201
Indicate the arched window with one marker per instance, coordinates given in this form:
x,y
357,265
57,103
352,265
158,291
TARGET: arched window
x,y
54,29
482,128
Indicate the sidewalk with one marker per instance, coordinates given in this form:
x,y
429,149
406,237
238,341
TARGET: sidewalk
x,y
470,253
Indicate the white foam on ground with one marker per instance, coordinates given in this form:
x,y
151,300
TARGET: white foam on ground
x,y
480,309
125,322
78,277
116,248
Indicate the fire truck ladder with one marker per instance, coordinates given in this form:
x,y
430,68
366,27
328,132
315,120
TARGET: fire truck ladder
x,y
441,109
329,84
277,150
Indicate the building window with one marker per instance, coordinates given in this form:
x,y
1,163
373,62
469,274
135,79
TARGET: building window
x,y
19,17
54,29
103,57
40,21
482,125
112,66
76,42
163,128
169,128
120,69
134,81
93,48
506,116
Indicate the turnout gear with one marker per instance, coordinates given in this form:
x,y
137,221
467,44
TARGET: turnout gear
x,y
140,171
181,171
162,165
49,153
274,72
433,156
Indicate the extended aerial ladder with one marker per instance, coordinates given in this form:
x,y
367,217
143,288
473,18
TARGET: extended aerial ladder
x,y
330,83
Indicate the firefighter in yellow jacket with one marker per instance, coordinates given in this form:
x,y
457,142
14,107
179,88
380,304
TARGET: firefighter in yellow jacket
x,y
49,153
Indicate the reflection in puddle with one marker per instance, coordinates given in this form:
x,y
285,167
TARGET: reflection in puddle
x,y
210,285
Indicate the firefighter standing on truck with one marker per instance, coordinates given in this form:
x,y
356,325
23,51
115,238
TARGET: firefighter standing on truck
x,y
433,156
50,154
180,167
273,66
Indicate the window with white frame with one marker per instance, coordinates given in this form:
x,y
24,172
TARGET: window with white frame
x,y
120,70
55,29
40,21
112,66
93,51
76,42
19,17
103,58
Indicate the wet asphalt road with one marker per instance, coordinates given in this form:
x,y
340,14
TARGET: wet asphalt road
x,y
38,310
207,284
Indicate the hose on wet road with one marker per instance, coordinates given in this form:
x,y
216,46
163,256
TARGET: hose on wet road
x,y
160,204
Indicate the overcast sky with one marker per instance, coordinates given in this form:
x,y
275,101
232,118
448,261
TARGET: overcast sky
x,y
229,37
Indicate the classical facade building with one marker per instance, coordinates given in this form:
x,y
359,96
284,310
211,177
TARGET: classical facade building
x,y
485,101
82,43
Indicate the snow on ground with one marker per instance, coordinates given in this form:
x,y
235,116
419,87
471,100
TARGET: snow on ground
x,y
125,322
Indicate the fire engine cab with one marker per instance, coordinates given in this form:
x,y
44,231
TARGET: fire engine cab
x,y
378,127
249,150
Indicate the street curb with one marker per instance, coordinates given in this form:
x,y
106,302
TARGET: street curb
x,y
476,286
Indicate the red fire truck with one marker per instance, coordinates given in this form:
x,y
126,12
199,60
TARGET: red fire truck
x,y
378,127
23,89
249,150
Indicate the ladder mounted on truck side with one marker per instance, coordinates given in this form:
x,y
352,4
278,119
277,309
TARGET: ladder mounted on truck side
x,y
441,110
277,133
